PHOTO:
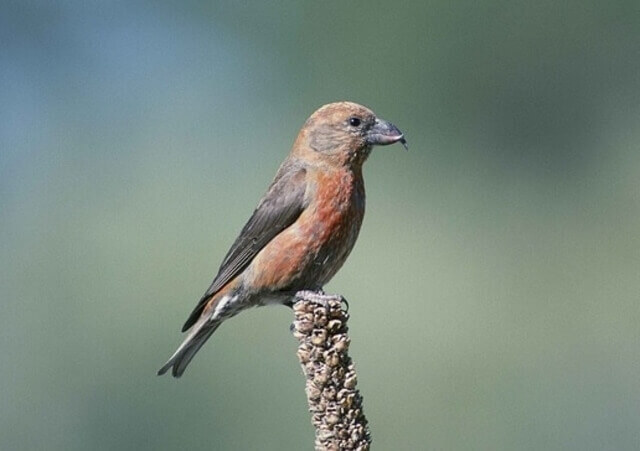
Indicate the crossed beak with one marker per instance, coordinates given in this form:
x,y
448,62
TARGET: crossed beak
x,y
384,133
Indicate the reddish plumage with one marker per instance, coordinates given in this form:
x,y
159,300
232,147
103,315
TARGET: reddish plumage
x,y
304,227
317,244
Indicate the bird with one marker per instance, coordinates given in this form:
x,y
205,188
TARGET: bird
x,y
303,228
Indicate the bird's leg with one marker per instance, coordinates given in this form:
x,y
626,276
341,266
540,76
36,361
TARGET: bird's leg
x,y
320,291
291,296
314,296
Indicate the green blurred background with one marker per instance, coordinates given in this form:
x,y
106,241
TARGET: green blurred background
x,y
494,289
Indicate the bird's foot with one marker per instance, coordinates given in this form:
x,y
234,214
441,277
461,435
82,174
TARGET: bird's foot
x,y
319,297
293,296
314,296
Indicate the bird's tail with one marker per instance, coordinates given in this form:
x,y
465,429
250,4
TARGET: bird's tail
x,y
221,306
198,335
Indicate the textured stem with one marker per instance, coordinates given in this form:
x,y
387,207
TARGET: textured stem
x,y
335,404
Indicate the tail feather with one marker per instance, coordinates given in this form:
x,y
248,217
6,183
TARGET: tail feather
x,y
198,335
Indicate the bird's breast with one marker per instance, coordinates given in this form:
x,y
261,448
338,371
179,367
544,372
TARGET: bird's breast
x,y
335,217
309,253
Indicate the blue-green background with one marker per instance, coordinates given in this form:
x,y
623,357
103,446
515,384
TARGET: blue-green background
x,y
495,286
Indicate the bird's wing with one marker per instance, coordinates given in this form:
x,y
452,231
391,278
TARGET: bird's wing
x,y
278,209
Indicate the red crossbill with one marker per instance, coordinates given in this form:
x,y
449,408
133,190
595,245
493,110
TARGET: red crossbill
x,y
303,228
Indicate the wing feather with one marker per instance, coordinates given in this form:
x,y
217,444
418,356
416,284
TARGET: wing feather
x,y
279,208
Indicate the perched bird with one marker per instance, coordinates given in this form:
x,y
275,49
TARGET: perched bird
x,y
304,227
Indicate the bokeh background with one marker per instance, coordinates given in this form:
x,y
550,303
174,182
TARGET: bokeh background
x,y
495,286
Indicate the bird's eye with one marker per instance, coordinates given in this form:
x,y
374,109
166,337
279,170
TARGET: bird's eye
x,y
354,121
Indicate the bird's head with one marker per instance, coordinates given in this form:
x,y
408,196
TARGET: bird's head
x,y
343,133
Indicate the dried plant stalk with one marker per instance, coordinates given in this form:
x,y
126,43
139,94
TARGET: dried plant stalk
x,y
335,404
